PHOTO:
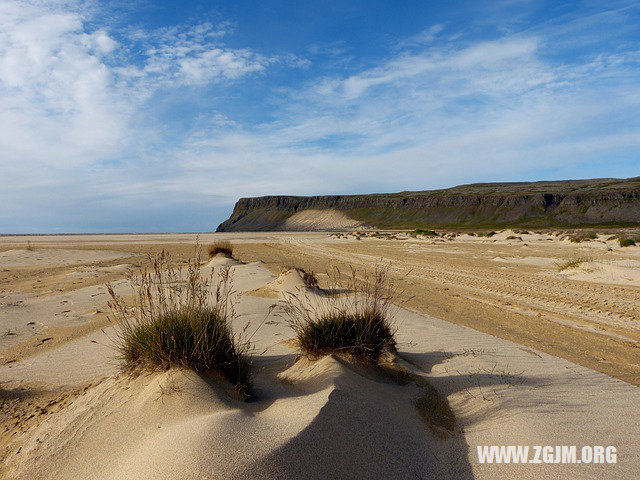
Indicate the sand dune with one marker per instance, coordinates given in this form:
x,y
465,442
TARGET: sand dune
x,y
289,281
323,420
221,260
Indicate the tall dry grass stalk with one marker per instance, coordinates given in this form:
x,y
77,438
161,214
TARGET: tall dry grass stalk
x,y
181,319
354,317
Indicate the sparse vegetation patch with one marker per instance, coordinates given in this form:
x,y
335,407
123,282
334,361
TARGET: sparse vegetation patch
x,y
357,324
180,319
627,242
582,237
573,262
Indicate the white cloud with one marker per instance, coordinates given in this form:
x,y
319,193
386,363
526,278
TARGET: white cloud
x,y
193,56
425,37
67,102
54,88
101,42
72,99
219,63
486,65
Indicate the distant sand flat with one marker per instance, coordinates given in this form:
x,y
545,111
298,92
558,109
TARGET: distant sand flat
x,y
55,257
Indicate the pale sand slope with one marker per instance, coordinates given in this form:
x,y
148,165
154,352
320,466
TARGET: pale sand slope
x,y
324,220
28,316
324,419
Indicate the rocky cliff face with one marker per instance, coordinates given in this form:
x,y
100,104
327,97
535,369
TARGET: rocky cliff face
x,y
537,204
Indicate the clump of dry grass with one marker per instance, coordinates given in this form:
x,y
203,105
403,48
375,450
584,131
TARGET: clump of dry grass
x,y
181,319
357,324
573,262
310,279
220,247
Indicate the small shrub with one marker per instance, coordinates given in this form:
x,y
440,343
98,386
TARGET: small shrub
x,y
486,234
180,321
221,246
357,324
627,242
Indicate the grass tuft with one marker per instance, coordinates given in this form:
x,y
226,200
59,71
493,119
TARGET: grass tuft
x,y
309,278
573,262
627,242
181,320
357,324
221,246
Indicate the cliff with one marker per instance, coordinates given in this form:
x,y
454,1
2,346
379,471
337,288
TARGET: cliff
x,y
533,204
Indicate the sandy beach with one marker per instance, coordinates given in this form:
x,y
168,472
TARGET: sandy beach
x,y
501,343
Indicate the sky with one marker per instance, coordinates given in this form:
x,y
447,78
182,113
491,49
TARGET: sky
x,y
152,116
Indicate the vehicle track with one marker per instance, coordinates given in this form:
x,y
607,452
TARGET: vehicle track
x,y
531,288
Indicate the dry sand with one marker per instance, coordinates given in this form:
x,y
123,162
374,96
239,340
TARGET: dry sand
x,y
323,220
68,413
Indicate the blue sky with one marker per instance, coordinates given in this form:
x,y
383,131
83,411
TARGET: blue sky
x,y
156,116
